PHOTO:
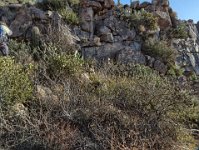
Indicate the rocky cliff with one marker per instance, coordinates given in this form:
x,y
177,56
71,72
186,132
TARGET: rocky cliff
x,y
107,36
103,35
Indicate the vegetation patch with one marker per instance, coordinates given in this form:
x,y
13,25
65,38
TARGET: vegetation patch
x,y
15,85
160,50
143,18
180,32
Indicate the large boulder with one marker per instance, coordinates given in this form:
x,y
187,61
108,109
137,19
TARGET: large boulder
x,y
25,18
108,50
164,20
160,67
87,14
130,55
21,23
95,5
192,30
107,38
120,28
101,30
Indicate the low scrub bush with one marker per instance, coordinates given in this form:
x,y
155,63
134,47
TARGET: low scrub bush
x,y
160,50
140,110
141,106
143,18
53,4
20,50
15,85
69,16
6,2
61,39
59,4
180,32
64,65
74,2
175,72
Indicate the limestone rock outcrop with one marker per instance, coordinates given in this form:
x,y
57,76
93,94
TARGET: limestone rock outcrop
x,y
188,54
115,36
188,50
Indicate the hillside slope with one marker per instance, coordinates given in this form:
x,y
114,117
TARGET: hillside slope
x,y
97,76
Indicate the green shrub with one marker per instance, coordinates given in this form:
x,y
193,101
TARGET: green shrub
x,y
69,16
143,18
74,2
62,40
64,65
141,111
20,50
15,85
180,32
141,102
175,72
53,4
160,50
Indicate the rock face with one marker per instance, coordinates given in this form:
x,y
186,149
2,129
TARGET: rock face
x,y
164,20
33,24
108,37
188,50
188,54
116,39
161,10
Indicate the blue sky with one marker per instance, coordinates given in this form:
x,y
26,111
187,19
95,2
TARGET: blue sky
x,y
186,9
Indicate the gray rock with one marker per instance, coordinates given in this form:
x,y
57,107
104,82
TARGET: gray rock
x,y
127,34
81,34
36,13
136,46
111,23
109,50
164,20
107,38
56,21
129,55
117,39
120,28
22,22
89,52
150,61
160,67
192,31
188,54
91,42
95,5
102,30
87,15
